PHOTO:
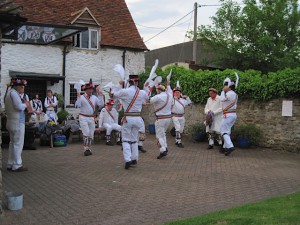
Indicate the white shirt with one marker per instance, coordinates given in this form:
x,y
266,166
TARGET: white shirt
x,y
213,105
24,96
126,95
48,101
36,105
178,105
159,101
105,117
229,98
85,107
216,107
14,107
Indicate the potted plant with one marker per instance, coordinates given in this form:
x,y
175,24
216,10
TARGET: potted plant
x,y
60,99
62,115
198,132
247,135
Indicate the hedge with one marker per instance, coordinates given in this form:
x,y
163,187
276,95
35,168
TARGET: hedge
x,y
252,84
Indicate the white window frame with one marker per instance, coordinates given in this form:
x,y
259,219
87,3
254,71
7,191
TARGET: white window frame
x,y
90,30
81,92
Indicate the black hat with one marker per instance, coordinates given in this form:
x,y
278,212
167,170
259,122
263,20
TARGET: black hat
x,y
88,85
134,77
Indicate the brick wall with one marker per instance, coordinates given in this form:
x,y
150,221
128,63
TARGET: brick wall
x,y
279,133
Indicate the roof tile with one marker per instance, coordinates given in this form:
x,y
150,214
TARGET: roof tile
x,y
117,26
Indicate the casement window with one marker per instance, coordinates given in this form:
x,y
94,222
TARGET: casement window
x,y
88,39
73,93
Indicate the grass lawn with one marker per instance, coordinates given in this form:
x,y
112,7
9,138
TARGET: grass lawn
x,y
283,210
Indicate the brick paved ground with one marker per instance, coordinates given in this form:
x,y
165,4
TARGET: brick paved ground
x,y
64,187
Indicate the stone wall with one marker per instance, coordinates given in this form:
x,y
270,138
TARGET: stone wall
x,y
279,133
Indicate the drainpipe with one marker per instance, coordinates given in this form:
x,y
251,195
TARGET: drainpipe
x,y
123,57
64,72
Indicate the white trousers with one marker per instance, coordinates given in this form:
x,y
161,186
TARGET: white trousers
x,y
179,123
87,125
142,132
161,127
226,125
110,127
16,134
130,135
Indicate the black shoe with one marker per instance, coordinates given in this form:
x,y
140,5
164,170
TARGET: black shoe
x,y
133,162
20,169
141,148
162,154
119,143
210,147
109,143
29,148
9,169
228,152
222,150
176,143
180,145
127,165
87,152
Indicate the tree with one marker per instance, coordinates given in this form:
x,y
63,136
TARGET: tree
x,y
263,35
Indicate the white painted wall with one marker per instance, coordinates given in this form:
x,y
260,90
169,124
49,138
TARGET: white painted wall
x,y
80,64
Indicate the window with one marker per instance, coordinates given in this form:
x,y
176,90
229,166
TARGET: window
x,y
87,39
73,93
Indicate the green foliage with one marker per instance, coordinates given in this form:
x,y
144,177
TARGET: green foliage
x,y
263,35
60,99
252,84
62,115
249,131
197,132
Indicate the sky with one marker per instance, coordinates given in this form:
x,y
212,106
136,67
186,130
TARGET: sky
x,y
153,16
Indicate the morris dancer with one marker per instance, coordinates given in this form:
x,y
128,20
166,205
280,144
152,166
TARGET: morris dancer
x,y
108,119
213,112
87,103
15,125
229,105
50,104
179,103
162,103
132,100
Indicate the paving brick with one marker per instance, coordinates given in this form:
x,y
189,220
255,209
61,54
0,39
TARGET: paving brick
x,y
64,187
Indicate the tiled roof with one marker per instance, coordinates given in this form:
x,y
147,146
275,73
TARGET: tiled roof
x,y
7,6
117,26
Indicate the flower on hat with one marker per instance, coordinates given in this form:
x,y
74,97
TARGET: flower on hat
x,y
87,86
18,82
110,102
161,87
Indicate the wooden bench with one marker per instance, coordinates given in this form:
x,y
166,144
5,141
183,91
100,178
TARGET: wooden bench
x,y
99,133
